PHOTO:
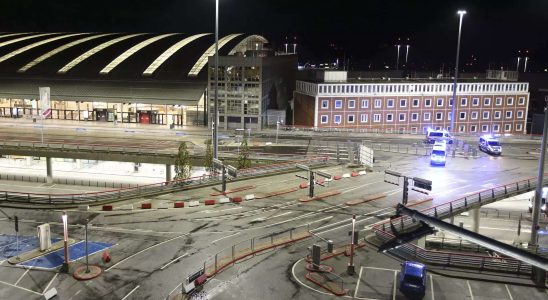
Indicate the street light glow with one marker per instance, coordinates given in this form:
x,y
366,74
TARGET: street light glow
x,y
461,12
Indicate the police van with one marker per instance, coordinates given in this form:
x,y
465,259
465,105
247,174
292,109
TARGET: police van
x,y
490,145
439,154
433,136
543,201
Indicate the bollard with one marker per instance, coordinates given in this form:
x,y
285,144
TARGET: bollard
x,y
330,246
316,256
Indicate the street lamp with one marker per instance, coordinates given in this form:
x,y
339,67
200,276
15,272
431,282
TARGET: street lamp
x,y
461,14
406,53
215,104
65,266
517,67
398,56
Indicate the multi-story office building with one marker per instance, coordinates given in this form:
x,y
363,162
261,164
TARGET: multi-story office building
x,y
412,105
254,88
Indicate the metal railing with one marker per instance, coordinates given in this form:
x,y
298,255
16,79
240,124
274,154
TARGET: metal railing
x,y
67,181
149,189
445,210
228,256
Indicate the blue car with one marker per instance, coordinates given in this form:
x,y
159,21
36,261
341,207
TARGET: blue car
x,y
413,279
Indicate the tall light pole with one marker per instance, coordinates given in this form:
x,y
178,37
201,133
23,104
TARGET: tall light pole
x,y
406,53
398,56
517,67
215,105
461,15
525,67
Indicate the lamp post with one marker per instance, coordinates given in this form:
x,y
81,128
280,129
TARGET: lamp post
x,y
350,270
461,14
525,67
517,67
406,53
398,56
65,266
216,100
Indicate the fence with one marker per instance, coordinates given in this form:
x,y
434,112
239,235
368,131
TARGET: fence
x,y
465,246
455,259
147,190
67,181
248,248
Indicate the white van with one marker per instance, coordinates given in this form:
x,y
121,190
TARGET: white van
x,y
543,203
490,145
433,136
439,154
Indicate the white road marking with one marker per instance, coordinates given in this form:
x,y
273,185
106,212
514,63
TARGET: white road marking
x,y
21,288
131,292
76,294
470,289
394,289
432,286
173,290
508,290
358,283
146,249
50,282
176,259
213,242
21,277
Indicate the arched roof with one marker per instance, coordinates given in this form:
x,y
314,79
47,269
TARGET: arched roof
x,y
171,56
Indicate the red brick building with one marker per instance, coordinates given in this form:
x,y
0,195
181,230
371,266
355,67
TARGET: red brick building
x,y
483,106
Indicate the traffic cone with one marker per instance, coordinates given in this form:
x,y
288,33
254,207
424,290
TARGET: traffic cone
x,y
106,257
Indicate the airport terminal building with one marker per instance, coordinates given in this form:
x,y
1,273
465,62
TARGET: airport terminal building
x,y
332,100
130,78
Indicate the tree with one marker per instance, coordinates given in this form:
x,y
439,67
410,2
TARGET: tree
x,y
182,162
208,157
243,157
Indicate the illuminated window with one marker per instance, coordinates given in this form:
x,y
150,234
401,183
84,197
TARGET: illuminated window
x,y
34,45
131,51
390,103
414,117
170,51
338,103
202,61
337,119
60,49
93,51
402,117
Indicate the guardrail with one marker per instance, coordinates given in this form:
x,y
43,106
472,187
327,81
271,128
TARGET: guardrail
x,y
465,246
67,181
456,259
149,189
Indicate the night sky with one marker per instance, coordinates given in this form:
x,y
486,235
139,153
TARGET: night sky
x,y
364,32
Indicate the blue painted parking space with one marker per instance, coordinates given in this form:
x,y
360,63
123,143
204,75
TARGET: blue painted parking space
x,y
76,251
9,248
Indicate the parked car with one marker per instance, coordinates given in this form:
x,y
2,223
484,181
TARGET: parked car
x,y
433,136
412,279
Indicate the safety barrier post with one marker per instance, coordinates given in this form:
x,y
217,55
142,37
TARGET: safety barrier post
x,y
451,207
233,246
492,193
465,202
505,191
271,240
216,263
291,234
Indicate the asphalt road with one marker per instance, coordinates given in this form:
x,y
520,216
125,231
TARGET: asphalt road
x,y
156,249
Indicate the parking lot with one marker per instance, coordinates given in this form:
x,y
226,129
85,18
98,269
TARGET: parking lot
x,y
381,283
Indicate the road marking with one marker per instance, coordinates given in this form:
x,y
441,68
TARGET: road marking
x,y
213,242
470,289
432,286
359,187
173,290
358,284
50,282
25,273
359,221
169,263
394,289
75,294
131,292
508,290
146,249
22,288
